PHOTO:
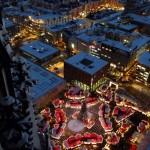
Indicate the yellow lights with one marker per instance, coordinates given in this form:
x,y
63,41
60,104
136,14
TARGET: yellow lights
x,y
50,33
72,45
91,81
122,8
103,23
30,17
148,113
82,14
40,21
113,65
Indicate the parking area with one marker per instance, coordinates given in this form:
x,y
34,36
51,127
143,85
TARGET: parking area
x,y
57,68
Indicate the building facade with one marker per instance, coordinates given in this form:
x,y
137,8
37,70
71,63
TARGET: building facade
x,y
54,33
39,52
11,27
142,73
115,46
85,70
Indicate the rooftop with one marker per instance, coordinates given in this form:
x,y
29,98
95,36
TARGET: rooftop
x,y
66,25
39,49
86,62
105,18
122,24
8,23
100,14
48,16
137,43
140,19
35,12
145,59
88,38
124,41
47,81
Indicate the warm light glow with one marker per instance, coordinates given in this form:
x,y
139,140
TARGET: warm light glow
x,y
72,45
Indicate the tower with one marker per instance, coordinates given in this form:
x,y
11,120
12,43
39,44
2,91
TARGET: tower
x,y
18,125
83,111
6,85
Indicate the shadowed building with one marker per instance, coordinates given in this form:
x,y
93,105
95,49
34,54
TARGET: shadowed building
x,y
18,126
130,6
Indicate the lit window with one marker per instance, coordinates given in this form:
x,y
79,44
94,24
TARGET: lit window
x,y
72,45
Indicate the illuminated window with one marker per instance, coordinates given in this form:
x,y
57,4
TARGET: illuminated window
x,y
72,45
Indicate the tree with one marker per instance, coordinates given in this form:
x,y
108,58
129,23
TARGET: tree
x,y
83,111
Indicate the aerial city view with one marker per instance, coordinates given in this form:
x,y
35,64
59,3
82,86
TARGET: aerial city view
x,y
75,75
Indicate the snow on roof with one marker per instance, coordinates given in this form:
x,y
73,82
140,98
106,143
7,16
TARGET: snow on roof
x,y
80,31
135,44
136,41
16,12
145,59
117,22
57,28
23,3
85,30
35,12
42,9
47,81
88,38
39,49
49,16
104,15
107,18
140,19
111,16
8,23
86,62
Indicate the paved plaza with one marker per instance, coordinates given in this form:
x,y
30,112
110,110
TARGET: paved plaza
x,y
110,113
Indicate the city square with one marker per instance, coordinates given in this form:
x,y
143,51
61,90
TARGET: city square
x,y
109,118
75,74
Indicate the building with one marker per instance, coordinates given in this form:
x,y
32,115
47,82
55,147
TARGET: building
x,y
17,16
115,46
143,22
19,129
102,17
35,18
140,7
11,27
6,81
142,73
39,52
70,39
54,33
50,18
85,70
123,24
77,8
49,85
